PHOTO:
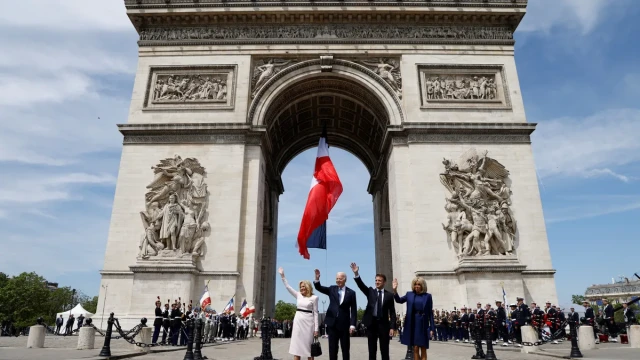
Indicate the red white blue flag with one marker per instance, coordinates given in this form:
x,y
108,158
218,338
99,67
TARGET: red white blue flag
x,y
323,195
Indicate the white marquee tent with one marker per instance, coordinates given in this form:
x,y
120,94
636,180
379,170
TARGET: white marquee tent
x,y
76,311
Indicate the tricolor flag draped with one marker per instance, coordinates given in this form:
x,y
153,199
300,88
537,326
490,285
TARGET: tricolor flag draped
x,y
250,310
323,195
205,300
243,307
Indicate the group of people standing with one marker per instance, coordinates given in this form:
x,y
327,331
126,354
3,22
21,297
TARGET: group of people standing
x,y
379,317
227,327
68,330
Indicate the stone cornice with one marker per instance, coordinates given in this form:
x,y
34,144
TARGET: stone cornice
x,y
226,133
408,133
176,4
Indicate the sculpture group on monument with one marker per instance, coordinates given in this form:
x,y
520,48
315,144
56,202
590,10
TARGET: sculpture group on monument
x,y
479,220
176,202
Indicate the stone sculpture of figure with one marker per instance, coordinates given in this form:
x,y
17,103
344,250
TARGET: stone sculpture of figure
x,y
188,229
478,186
149,242
172,216
508,229
198,247
266,72
493,241
384,70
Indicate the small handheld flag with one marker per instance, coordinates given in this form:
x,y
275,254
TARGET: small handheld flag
x,y
323,195
205,300
229,307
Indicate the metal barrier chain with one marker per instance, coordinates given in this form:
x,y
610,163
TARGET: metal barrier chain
x,y
131,339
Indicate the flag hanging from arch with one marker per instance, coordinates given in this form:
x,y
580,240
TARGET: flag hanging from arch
x,y
323,195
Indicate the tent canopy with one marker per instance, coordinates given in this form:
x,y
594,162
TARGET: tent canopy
x,y
76,311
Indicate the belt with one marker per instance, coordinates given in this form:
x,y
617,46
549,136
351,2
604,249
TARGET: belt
x,y
306,311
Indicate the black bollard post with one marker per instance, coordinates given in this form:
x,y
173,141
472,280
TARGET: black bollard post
x,y
409,354
197,334
106,348
189,354
88,322
477,336
488,328
143,321
265,329
575,350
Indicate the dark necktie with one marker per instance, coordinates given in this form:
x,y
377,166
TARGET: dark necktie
x,y
379,306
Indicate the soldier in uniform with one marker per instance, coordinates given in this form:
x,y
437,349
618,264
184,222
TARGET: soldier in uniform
x,y
157,322
515,315
561,321
184,332
174,318
590,319
166,324
444,323
479,332
438,323
455,325
464,320
501,323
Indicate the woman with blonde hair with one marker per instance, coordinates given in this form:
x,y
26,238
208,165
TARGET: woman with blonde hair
x,y
419,324
305,323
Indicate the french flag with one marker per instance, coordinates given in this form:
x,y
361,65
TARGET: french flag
x,y
323,195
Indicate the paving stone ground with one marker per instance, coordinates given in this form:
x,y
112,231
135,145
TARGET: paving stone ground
x,y
63,348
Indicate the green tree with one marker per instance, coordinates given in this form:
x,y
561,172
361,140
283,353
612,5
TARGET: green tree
x,y
284,311
4,279
22,298
91,305
360,313
577,299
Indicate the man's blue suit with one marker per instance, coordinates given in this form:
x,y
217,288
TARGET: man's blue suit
x,y
339,318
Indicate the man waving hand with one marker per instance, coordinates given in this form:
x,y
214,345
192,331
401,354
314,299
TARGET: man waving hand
x,y
379,316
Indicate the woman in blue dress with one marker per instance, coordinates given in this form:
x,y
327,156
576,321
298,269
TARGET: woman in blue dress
x,y
419,325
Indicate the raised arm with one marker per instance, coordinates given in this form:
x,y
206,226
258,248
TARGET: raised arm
x,y
316,284
396,297
315,315
286,284
359,282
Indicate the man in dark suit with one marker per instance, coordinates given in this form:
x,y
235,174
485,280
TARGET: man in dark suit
x,y
590,319
573,316
629,316
379,316
608,318
341,314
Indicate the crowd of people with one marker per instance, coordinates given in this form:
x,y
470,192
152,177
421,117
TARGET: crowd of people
x,y
223,327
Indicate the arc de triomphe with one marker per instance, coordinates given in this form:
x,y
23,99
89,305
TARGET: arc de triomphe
x,y
425,93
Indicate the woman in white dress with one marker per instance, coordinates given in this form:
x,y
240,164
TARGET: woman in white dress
x,y
305,323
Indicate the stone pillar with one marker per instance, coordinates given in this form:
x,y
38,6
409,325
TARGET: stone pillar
x,y
86,338
36,337
586,341
251,224
634,336
144,336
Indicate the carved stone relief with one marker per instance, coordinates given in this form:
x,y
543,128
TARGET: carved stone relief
x,y
191,87
265,69
479,218
174,220
388,70
362,33
451,86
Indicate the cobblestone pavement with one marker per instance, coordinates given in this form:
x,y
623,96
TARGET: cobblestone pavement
x,y
63,348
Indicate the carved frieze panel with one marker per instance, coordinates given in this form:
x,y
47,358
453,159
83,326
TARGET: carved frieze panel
x,y
463,86
327,33
266,68
191,87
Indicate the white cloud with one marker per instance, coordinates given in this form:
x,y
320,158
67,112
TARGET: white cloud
x,y
39,188
579,15
592,209
78,15
27,90
601,144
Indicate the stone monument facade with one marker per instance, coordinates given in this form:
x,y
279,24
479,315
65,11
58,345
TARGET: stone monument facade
x,y
424,92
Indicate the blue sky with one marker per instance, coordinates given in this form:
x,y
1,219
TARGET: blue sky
x,y
66,74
